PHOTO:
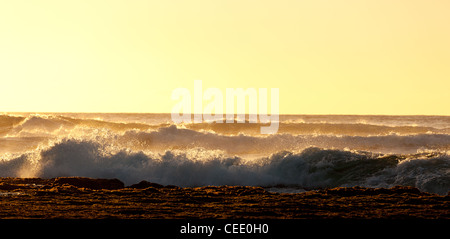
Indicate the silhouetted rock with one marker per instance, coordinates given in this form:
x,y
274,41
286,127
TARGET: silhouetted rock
x,y
252,191
90,183
172,187
145,184
405,189
7,186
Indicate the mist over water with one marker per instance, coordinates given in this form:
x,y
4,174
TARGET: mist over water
x,y
309,151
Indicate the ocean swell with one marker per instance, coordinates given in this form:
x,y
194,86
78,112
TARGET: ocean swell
x,y
173,137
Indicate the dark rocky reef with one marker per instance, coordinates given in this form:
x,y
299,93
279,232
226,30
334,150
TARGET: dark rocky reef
x,y
90,183
77,197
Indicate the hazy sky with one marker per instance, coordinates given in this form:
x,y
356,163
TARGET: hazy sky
x,y
325,56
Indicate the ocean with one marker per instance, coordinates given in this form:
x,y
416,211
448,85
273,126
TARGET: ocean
x,y
308,152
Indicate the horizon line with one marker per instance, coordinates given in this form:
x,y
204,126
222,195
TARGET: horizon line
x,y
288,114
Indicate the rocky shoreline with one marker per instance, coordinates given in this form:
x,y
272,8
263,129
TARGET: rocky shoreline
x,y
87,198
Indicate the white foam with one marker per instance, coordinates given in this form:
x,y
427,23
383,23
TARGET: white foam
x,y
313,167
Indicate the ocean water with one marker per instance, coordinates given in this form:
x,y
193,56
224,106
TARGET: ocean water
x,y
308,152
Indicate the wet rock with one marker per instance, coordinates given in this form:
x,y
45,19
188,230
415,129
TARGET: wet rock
x,y
151,190
354,191
90,183
72,198
346,192
8,186
65,188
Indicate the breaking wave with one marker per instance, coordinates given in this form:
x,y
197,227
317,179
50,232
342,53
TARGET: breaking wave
x,y
174,137
311,168
307,152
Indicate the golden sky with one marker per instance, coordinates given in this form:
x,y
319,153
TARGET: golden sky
x,y
325,56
